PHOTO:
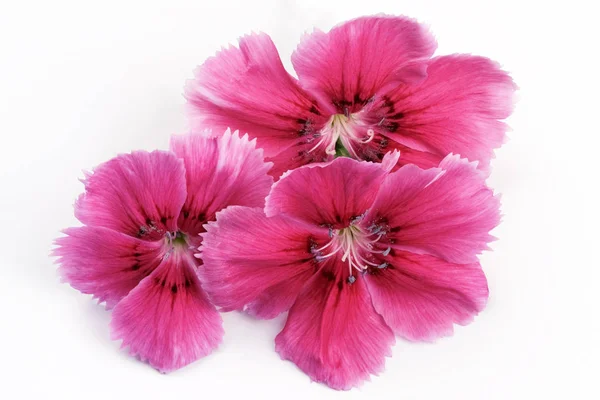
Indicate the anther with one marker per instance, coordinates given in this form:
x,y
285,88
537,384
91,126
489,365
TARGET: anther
x,y
354,247
356,219
375,229
351,279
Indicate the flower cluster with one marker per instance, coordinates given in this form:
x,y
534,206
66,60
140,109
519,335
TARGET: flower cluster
x,y
356,201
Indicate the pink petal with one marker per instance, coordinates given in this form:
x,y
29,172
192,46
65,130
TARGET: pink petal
x,y
330,194
248,89
446,212
420,297
256,263
139,194
456,109
167,319
347,66
295,156
105,263
376,149
423,159
220,172
390,160
333,333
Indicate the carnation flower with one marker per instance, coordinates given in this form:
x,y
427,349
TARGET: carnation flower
x,y
366,87
358,254
143,213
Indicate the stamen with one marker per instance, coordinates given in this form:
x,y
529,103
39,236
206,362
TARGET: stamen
x,y
356,219
384,252
171,236
330,149
326,246
320,257
374,228
357,247
175,239
316,146
346,128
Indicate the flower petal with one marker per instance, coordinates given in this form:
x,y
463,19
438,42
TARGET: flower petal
x,y
446,212
347,66
376,149
167,319
256,263
248,89
139,194
333,333
220,172
456,109
105,263
421,296
329,194
295,156
411,156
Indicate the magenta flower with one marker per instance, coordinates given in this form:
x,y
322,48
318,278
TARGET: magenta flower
x,y
143,214
357,254
365,88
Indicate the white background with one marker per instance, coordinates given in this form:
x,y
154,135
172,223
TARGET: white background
x,y
80,83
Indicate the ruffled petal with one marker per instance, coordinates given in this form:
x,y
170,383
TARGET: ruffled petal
x,y
139,194
167,319
420,297
220,172
330,194
446,212
376,149
105,263
248,89
457,109
256,263
347,66
333,333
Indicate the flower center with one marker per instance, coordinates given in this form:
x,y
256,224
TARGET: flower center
x,y
176,241
343,131
356,247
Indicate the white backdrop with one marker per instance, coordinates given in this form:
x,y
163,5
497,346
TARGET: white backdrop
x,y
80,83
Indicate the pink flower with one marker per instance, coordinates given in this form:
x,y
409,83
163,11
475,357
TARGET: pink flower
x,y
357,254
143,213
365,88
